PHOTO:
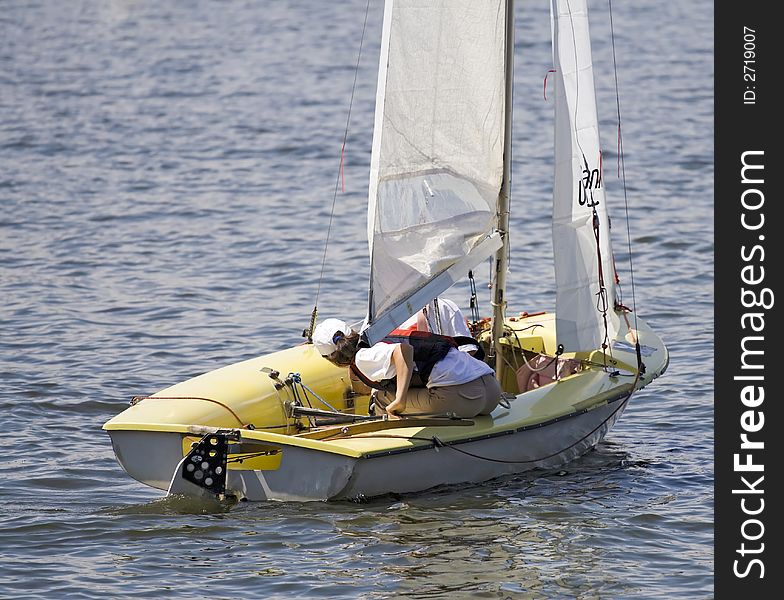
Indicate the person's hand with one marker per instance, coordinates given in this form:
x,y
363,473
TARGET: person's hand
x,y
403,358
393,408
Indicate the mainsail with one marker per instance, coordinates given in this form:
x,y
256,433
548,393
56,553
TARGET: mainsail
x,y
437,159
584,272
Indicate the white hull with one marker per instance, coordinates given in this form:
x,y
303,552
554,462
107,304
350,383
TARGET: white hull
x,y
542,428
306,474
474,462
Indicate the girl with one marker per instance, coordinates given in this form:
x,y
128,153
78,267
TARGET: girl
x,y
455,382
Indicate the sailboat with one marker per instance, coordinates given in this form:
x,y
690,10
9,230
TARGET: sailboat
x,y
289,426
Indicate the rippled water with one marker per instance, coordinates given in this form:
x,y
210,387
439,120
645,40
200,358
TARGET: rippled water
x,y
166,177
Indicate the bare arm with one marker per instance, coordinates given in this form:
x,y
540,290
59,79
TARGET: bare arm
x,y
422,321
403,359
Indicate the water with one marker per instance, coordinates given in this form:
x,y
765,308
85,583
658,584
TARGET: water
x,y
166,177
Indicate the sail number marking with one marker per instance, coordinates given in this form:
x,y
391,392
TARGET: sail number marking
x,y
590,180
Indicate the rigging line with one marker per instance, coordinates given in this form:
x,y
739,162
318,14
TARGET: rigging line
x,y
473,301
525,359
136,399
437,443
541,458
250,456
283,408
576,85
514,366
306,389
342,152
601,300
623,168
511,152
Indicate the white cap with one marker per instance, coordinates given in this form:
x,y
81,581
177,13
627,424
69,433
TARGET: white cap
x,y
324,333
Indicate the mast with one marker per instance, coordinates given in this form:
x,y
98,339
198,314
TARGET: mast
x,y
501,262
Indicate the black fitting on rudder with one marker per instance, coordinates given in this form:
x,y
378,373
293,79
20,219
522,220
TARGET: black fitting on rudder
x,y
205,464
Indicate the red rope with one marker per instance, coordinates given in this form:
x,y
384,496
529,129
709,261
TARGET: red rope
x,y
136,399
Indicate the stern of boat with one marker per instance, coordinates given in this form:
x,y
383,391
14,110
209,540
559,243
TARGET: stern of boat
x,y
151,437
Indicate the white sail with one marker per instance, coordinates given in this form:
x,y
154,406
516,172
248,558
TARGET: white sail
x,y
437,160
583,306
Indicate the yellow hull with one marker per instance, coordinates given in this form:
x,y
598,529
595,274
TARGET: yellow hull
x,y
278,456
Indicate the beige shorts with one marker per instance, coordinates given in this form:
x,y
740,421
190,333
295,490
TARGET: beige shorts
x,y
466,400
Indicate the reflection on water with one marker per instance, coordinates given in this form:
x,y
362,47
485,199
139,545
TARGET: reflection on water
x,y
542,534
